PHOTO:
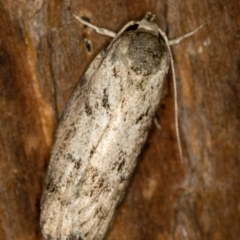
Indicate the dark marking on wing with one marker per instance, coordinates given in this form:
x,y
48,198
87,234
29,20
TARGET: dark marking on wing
x,y
114,72
141,116
92,151
77,164
88,108
51,186
105,103
121,165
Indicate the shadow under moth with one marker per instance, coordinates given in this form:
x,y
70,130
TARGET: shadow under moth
x,y
102,132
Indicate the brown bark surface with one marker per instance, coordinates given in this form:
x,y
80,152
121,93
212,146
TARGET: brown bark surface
x,y
42,57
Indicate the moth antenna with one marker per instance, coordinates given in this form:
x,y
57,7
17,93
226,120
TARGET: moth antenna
x,y
101,31
176,110
179,39
169,43
175,95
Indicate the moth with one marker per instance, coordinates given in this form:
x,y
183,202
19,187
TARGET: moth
x,y
102,132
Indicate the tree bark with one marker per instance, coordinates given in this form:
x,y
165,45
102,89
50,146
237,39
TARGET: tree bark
x,y
43,54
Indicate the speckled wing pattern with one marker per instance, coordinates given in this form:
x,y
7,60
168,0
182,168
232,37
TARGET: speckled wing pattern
x,y
102,132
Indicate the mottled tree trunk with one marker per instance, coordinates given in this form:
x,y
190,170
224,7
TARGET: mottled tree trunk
x,y
43,53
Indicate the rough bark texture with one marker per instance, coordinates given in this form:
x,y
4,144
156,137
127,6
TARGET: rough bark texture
x,y
42,57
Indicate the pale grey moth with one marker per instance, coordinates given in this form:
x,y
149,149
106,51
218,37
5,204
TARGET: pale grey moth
x,y
102,132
